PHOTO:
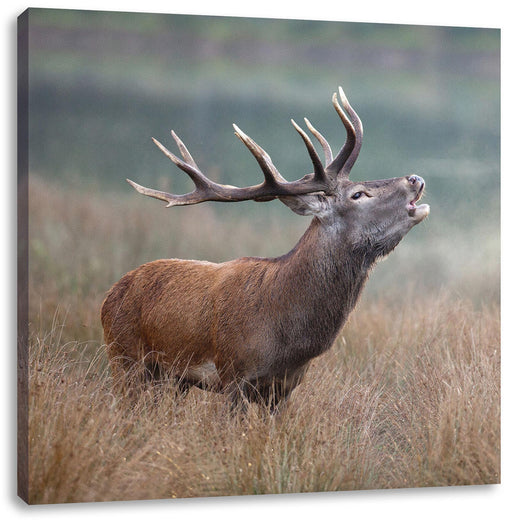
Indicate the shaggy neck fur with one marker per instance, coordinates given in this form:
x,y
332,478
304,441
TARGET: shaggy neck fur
x,y
330,274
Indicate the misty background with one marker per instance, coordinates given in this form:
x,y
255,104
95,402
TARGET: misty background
x,y
102,84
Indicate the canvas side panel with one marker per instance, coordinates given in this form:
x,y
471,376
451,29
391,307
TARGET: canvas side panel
x,y
22,386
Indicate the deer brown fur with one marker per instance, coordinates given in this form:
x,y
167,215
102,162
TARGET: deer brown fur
x,y
250,327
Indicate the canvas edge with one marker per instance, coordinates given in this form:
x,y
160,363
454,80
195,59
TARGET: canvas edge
x,y
22,248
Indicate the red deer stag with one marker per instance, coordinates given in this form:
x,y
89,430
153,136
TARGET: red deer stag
x,y
249,327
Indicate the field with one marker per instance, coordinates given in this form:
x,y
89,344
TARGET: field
x,y
408,396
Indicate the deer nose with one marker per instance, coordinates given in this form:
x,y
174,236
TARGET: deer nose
x,y
414,179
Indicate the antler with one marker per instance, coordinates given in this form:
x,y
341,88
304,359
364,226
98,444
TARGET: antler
x,y
274,185
345,159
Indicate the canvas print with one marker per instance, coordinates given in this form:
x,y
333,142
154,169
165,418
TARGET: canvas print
x,y
225,286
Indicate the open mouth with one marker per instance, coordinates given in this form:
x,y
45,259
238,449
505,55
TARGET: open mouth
x,y
418,212
411,206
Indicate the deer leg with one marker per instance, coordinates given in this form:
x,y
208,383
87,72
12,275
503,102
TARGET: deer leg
x,y
181,387
152,372
278,402
121,371
238,400
277,394
271,397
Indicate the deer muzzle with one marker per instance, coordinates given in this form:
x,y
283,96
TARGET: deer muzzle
x,y
418,212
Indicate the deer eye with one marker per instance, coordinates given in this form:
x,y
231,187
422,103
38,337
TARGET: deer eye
x,y
357,195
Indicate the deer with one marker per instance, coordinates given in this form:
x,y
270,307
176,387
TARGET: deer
x,y
250,327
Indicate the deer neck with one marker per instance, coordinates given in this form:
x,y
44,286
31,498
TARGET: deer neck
x,y
325,257
321,279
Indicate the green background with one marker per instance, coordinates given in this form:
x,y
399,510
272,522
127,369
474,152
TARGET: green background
x,y
101,84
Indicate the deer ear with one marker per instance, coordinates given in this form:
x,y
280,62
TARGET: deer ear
x,y
306,205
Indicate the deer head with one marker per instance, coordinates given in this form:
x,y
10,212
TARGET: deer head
x,y
374,213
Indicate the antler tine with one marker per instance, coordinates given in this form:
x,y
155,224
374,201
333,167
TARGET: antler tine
x,y
317,164
356,121
336,167
146,191
190,168
323,142
183,150
272,175
201,182
358,133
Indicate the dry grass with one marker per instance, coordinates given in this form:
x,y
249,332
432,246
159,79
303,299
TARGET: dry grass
x,y
408,396
413,402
